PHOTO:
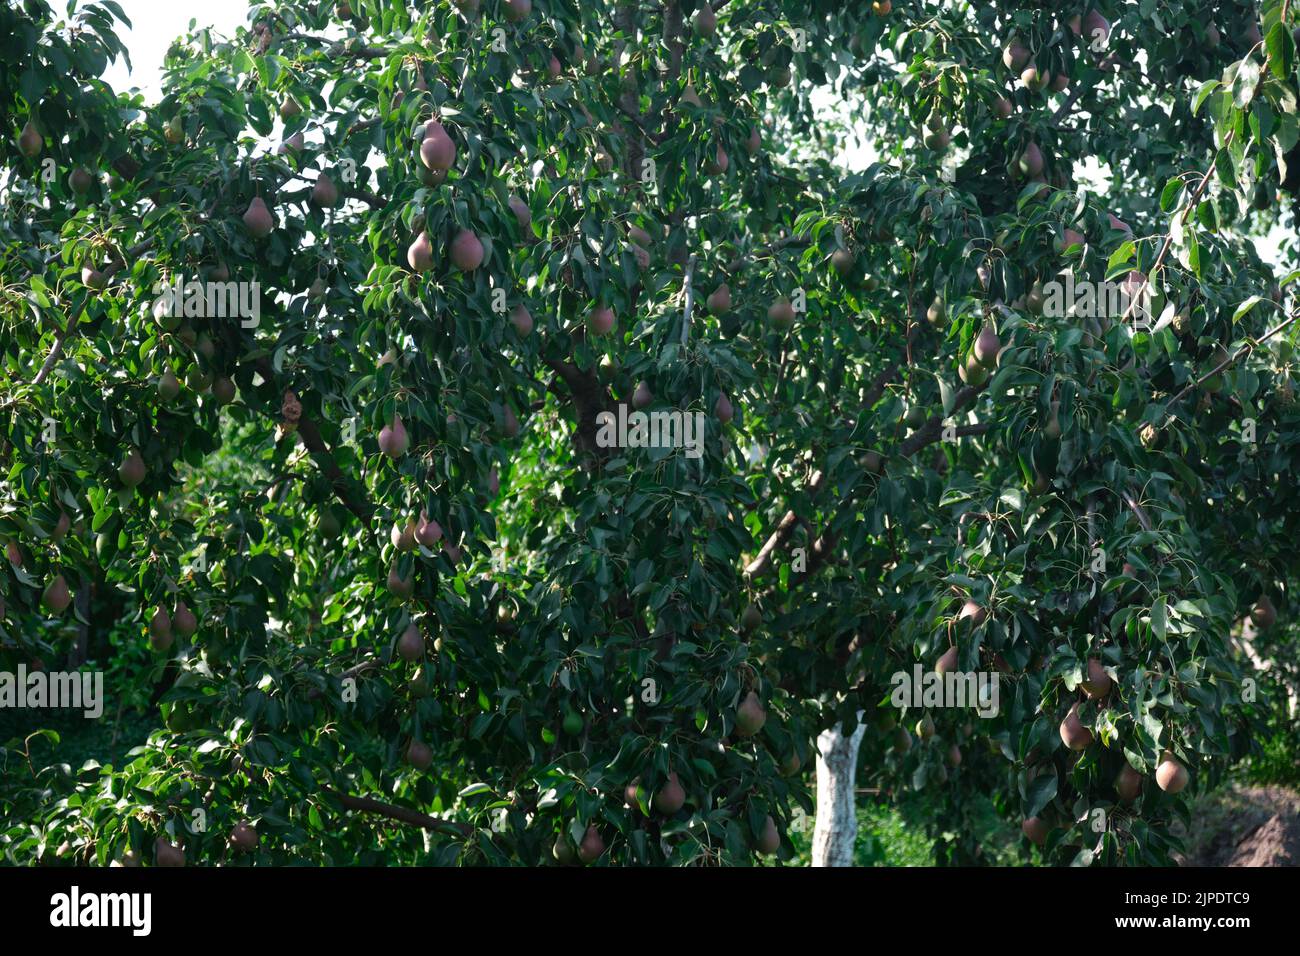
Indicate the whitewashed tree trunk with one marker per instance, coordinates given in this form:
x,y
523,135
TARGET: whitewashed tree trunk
x,y
836,829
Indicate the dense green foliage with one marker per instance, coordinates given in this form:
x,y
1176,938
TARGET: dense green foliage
x,y
581,616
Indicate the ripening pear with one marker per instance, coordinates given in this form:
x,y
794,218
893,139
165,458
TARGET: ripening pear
x,y
642,397
289,108
592,846
428,531
30,140
1030,160
168,386
1263,615
160,630
987,346
671,796
722,409
719,163
719,300
750,716
510,422
1097,683
523,215
223,390
563,851
420,253
410,646
243,837
402,536
706,21
844,263
80,180
437,151
781,314
522,320
1128,783
400,587
173,132
1171,776
324,194
517,10
755,141
947,662
93,278
184,622
1015,55
974,612
393,439
132,470
1003,108
1073,734
769,841
1036,830
466,251
418,755
56,597
751,618
601,320
168,854
258,219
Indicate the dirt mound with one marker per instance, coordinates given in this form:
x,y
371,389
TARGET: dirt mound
x,y
1246,826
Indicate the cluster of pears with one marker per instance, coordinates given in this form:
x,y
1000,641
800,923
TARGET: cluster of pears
x,y
163,628
982,359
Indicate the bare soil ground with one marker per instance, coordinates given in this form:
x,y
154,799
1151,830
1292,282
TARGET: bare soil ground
x,y
1246,826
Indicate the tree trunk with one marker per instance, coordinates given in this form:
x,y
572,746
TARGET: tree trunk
x,y
836,829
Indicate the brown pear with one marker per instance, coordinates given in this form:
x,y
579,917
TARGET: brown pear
x,y
324,194
1036,830
243,837
722,409
1073,734
437,151
601,320
750,716
168,854
1128,783
592,846
1097,683
56,597
769,841
522,320
410,646
393,440
466,251
706,21
30,140
1171,776
671,797
400,587
523,215
781,314
257,218
947,663
719,300
80,180
160,630
132,470
419,255
184,622
418,755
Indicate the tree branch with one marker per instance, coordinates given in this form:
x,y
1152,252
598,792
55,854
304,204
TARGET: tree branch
x,y
401,814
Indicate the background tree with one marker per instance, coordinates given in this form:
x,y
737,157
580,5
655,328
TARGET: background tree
x,y
405,605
